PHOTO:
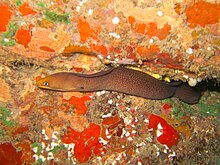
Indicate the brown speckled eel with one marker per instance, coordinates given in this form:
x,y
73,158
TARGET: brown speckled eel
x,y
119,79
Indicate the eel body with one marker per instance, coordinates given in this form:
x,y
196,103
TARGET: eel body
x,y
119,79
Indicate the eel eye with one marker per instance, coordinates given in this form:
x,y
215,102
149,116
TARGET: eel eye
x,y
45,83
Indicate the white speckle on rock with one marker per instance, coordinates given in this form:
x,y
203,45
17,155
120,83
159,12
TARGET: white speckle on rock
x,y
130,139
165,151
127,120
151,41
77,8
199,79
115,20
43,131
90,12
107,115
54,135
110,101
50,156
185,76
139,163
115,35
6,39
127,134
82,2
189,51
140,144
159,126
172,155
146,120
42,158
133,131
70,152
35,149
159,131
116,59
160,13
103,141
100,56
102,92
192,82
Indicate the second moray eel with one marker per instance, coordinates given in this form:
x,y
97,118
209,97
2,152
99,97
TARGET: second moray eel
x,y
119,79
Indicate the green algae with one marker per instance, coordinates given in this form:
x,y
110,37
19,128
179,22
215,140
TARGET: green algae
x,y
180,109
12,28
2,133
53,16
57,148
218,160
38,146
18,2
202,109
208,109
41,4
9,42
56,18
5,115
39,162
7,37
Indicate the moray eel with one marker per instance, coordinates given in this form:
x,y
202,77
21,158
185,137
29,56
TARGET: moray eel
x,y
122,80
